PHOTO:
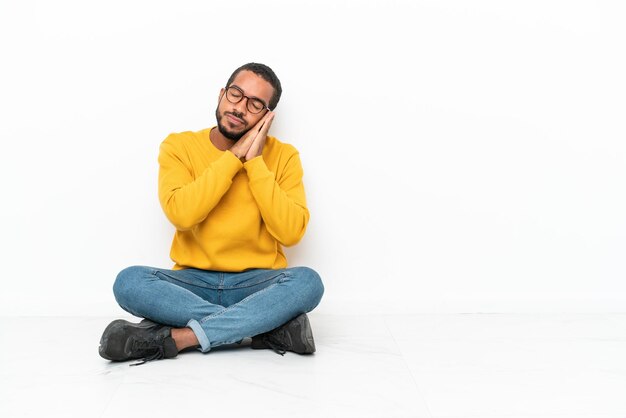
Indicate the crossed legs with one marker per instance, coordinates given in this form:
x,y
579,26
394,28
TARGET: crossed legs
x,y
208,308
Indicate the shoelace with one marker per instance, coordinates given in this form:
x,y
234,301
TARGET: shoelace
x,y
275,345
146,345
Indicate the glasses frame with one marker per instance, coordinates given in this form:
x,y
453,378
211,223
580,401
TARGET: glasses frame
x,y
243,96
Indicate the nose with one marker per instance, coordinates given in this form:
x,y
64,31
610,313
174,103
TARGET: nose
x,y
241,107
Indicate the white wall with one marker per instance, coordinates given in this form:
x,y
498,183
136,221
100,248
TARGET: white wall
x,y
459,156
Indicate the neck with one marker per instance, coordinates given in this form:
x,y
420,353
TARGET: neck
x,y
220,141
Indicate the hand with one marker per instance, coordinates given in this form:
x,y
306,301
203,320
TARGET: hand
x,y
243,145
256,148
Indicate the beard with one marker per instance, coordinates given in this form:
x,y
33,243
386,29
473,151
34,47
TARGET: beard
x,y
233,136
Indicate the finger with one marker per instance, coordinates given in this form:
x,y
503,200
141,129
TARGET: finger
x,y
260,123
269,117
249,136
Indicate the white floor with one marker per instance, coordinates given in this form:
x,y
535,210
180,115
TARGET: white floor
x,y
451,366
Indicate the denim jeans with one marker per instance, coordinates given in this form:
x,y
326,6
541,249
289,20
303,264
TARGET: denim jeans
x,y
220,308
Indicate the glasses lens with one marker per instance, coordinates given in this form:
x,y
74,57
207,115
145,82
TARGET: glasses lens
x,y
255,105
234,95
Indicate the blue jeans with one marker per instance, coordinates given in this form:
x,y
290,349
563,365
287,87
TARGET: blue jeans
x,y
220,308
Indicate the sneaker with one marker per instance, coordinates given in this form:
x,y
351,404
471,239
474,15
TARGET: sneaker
x,y
147,340
295,335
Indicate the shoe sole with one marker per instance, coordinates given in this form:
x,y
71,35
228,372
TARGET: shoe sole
x,y
306,336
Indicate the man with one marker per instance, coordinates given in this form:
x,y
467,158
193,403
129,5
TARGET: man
x,y
235,196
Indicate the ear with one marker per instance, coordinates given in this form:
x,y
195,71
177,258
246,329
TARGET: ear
x,y
222,90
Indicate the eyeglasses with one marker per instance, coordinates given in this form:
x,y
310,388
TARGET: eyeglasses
x,y
254,105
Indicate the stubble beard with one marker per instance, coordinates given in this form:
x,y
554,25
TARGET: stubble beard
x,y
233,136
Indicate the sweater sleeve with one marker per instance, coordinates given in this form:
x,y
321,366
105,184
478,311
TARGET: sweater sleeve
x,y
187,201
282,202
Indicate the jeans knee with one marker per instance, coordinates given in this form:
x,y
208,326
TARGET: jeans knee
x,y
126,282
311,285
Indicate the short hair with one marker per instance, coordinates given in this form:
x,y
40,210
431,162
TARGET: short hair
x,y
266,74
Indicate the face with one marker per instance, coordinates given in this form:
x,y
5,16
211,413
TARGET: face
x,y
234,119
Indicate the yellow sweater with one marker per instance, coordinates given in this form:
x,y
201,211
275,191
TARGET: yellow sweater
x,y
230,216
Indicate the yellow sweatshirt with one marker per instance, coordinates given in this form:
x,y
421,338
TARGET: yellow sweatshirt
x,y
230,216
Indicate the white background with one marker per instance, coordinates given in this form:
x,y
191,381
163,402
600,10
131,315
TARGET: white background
x,y
459,156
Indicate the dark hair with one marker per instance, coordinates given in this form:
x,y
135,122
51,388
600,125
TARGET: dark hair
x,y
266,74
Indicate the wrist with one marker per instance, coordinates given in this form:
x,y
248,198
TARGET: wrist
x,y
240,158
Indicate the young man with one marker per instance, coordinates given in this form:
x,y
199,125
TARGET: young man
x,y
235,196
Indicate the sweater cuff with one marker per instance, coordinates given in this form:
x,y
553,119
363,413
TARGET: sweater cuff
x,y
229,163
257,168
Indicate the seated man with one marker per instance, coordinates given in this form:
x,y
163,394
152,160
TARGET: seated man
x,y
235,196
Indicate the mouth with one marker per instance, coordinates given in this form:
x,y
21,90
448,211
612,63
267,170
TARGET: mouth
x,y
234,120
